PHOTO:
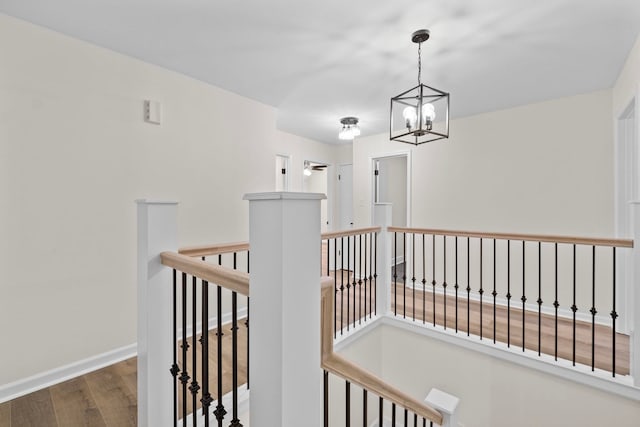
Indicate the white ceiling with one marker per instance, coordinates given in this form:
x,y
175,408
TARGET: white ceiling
x,y
317,61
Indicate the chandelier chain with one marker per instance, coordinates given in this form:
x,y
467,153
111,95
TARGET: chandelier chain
x,y
419,62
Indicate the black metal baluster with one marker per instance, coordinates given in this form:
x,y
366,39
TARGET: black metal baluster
x,y
372,261
593,310
335,283
406,417
220,412
404,275
362,295
364,407
494,293
413,276
235,422
614,316
456,285
348,403
393,415
556,304
174,368
374,282
354,283
184,377
325,384
433,282
424,282
539,297
574,308
444,278
524,298
415,420
348,281
395,273
468,285
342,285
380,410
328,257
360,276
194,387
204,340
508,293
481,291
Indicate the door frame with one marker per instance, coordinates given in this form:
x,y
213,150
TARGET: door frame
x,y
627,190
338,220
289,161
330,190
372,164
372,160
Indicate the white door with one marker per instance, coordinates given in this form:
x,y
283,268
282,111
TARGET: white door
x,y
345,191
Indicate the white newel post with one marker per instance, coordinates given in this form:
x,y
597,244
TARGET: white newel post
x,y
157,232
286,378
446,404
382,218
635,295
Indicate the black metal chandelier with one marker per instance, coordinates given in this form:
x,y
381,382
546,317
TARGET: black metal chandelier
x,y
420,114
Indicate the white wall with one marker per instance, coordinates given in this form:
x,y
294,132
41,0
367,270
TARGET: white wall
x,y
75,153
493,392
540,168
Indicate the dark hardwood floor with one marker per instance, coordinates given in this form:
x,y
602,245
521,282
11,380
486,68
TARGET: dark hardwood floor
x,y
108,396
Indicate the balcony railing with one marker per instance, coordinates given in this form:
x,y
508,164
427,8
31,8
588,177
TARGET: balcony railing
x,y
549,297
538,293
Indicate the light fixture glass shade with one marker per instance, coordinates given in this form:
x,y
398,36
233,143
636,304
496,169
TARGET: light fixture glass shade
x,y
307,171
350,128
345,134
419,115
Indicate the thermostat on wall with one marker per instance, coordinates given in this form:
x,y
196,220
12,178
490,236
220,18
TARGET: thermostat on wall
x,y
152,112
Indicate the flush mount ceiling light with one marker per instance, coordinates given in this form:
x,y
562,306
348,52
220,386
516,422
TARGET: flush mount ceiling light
x,y
350,128
307,168
420,114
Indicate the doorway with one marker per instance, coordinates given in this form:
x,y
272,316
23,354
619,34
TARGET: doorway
x,y
627,190
345,194
315,179
282,172
391,185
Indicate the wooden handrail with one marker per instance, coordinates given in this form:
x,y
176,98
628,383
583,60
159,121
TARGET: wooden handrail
x,y
216,249
618,243
349,232
225,248
346,370
234,280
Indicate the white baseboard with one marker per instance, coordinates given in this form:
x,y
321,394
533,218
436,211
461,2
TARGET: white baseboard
x,y
45,379
54,376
